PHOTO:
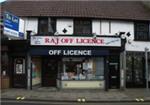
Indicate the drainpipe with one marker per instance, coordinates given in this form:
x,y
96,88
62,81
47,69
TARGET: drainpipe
x,y
123,64
106,74
29,71
123,71
146,67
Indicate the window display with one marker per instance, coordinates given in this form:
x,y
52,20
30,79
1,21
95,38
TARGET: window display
x,y
36,70
82,69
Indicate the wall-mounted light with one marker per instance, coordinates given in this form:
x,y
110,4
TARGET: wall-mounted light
x,y
94,35
56,33
69,26
129,41
33,32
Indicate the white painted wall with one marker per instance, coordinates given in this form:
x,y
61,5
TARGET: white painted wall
x,y
101,27
31,24
64,23
106,27
137,45
122,26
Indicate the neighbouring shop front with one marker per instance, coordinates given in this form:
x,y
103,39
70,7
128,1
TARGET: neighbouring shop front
x,y
63,63
136,72
17,63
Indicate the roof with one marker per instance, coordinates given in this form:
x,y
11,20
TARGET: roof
x,y
133,10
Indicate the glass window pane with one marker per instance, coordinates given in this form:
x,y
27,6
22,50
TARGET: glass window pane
x,y
99,68
142,31
51,25
138,69
83,68
82,26
43,26
129,68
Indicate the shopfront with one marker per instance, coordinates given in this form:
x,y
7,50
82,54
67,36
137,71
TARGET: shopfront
x,y
136,72
73,65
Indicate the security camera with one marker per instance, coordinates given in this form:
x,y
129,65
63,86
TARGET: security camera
x,y
121,33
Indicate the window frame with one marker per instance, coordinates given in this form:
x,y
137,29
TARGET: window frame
x,y
39,25
49,20
146,36
79,33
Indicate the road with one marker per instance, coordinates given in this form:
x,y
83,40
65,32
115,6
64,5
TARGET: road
x,y
9,102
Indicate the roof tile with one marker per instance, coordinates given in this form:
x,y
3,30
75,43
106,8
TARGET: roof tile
x,y
92,9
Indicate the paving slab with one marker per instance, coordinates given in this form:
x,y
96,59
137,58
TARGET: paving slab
x,y
74,95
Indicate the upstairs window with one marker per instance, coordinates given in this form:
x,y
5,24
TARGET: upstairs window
x,y
47,26
82,27
142,31
43,26
51,25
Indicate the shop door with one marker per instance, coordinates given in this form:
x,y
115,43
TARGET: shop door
x,y
49,72
19,74
114,80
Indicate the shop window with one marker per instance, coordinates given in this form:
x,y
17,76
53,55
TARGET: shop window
x,y
36,70
82,27
83,69
142,32
138,69
135,69
129,68
47,26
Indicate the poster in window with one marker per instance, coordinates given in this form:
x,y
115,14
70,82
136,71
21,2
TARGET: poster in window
x,y
19,66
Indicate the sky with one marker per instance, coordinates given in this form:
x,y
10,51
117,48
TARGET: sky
x,y
2,0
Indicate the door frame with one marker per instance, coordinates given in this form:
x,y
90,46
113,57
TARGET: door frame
x,y
43,67
23,74
117,75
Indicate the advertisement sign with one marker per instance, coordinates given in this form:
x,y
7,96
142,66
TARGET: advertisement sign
x,y
75,41
68,52
13,25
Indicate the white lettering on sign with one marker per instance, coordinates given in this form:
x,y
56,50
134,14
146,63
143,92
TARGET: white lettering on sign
x,y
54,52
70,52
75,41
77,52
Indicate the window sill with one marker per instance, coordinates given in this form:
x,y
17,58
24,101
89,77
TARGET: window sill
x,y
142,40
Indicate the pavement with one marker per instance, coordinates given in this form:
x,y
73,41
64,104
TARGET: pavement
x,y
72,95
